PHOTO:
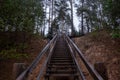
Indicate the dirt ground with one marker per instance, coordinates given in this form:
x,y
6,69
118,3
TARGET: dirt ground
x,y
99,47
6,66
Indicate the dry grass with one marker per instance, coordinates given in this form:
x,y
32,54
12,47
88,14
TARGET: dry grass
x,y
100,47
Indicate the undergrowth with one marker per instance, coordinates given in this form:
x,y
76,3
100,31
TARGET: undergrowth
x,y
115,33
12,54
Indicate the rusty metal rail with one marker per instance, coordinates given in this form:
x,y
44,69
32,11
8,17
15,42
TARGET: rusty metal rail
x,y
92,71
24,74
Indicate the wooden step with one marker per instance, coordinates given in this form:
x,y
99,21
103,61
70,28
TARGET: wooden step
x,y
61,64
62,75
61,61
60,58
61,71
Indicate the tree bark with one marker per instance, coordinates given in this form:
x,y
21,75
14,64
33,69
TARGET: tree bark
x,y
72,25
82,27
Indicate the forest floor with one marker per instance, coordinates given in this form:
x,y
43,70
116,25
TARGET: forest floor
x,y
35,45
100,47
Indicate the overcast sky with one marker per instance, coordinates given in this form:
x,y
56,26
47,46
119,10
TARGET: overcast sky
x,y
75,19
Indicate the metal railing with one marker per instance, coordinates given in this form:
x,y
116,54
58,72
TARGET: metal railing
x,y
92,71
30,68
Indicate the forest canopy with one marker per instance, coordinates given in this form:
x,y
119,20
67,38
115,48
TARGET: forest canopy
x,y
20,15
20,19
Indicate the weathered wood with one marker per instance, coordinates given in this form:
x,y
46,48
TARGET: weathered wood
x,y
35,62
77,65
61,63
90,68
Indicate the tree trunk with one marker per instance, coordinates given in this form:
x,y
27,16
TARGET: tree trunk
x,y
88,28
82,31
72,25
52,9
49,16
45,18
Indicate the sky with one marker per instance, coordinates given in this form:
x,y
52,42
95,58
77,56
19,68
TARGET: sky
x,y
75,20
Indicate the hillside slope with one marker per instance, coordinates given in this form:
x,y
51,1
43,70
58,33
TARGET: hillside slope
x,y
99,47
35,45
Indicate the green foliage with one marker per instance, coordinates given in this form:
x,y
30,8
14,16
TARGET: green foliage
x,y
115,33
112,10
16,17
89,13
12,54
97,28
20,15
100,13
63,9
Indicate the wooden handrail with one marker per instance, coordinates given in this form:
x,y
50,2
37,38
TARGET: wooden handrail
x,y
72,46
46,61
90,68
76,62
36,60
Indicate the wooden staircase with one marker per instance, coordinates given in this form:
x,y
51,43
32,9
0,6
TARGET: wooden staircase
x,y
61,65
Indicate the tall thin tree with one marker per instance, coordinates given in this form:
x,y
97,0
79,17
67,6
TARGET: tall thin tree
x,y
72,25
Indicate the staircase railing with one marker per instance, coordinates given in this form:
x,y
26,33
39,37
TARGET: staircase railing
x,y
46,61
92,71
30,68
